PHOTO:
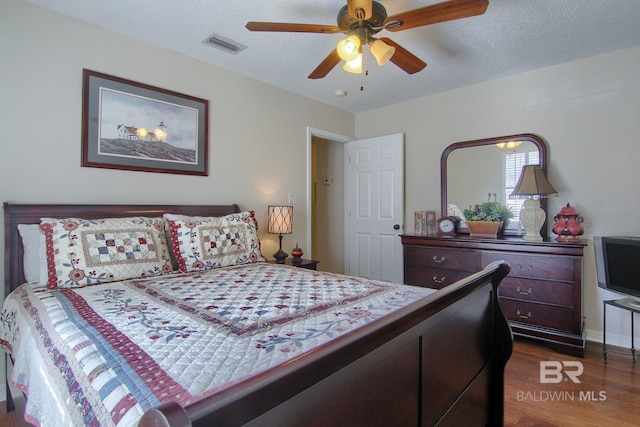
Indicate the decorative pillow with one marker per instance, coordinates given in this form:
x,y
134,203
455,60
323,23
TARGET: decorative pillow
x,y
204,243
82,252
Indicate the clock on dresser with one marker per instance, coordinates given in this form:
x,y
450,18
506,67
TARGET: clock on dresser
x,y
447,226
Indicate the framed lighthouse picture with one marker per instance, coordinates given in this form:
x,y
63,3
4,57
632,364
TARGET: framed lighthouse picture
x,y
134,126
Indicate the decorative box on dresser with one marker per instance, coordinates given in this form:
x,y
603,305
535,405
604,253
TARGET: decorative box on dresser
x,y
541,296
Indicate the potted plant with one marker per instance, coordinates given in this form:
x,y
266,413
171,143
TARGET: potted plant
x,y
486,219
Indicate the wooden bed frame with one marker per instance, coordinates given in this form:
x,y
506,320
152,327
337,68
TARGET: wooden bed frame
x,y
439,361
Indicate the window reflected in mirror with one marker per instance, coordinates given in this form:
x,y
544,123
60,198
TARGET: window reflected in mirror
x,y
512,162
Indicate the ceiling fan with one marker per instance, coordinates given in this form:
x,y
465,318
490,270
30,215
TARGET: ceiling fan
x,y
360,20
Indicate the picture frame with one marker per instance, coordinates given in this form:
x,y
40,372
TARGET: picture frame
x,y
430,220
424,222
420,222
133,126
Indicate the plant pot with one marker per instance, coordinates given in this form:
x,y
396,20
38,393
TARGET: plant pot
x,y
484,228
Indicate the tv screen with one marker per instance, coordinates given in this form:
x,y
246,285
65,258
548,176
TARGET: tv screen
x,y
618,264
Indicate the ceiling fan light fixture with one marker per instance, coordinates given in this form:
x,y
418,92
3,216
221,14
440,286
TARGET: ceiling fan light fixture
x,y
382,51
348,48
354,66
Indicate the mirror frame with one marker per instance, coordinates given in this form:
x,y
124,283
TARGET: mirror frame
x,y
534,139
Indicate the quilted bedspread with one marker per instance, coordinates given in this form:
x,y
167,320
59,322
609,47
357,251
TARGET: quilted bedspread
x,y
103,354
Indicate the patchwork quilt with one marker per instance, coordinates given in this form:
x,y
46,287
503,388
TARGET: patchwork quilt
x,y
103,354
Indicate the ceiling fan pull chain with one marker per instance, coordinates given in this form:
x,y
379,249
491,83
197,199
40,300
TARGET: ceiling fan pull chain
x,y
365,67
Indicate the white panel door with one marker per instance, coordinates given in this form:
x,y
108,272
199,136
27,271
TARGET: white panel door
x,y
375,207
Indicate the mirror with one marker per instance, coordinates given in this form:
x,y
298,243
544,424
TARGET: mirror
x,y
471,170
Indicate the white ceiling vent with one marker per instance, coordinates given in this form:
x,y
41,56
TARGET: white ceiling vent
x,y
223,43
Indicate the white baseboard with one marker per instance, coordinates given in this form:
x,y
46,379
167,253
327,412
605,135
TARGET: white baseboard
x,y
612,339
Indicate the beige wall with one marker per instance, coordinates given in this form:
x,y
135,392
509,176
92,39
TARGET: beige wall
x,y
588,111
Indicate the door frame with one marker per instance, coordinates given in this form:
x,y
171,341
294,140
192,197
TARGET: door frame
x,y
320,133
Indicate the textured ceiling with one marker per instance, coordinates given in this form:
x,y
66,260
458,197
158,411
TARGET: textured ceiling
x,y
513,36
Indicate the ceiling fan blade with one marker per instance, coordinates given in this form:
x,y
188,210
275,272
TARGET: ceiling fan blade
x,y
325,66
405,59
441,12
282,27
365,5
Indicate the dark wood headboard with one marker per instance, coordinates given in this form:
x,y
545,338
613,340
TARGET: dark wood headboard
x,y
15,214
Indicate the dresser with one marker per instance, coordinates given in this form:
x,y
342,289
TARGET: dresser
x,y
541,296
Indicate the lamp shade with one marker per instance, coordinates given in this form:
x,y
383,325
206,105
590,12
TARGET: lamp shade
x,y
533,184
348,48
382,51
354,66
362,9
280,219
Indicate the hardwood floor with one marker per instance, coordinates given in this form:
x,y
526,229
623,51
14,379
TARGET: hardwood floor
x,y
606,395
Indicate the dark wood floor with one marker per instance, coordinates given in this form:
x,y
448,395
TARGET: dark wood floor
x,y
530,403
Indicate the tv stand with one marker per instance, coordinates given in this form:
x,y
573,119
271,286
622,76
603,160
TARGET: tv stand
x,y
630,304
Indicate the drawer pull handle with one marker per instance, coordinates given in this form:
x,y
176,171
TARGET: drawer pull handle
x,y
529,291
522,316
439,260
441,280
527,267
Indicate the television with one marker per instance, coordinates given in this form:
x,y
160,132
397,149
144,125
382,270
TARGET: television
x,y
618,265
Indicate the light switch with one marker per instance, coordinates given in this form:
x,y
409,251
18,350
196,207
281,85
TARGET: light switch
x,y
293,198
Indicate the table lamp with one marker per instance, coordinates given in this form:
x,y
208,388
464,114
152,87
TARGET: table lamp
x,y
532,186
280,222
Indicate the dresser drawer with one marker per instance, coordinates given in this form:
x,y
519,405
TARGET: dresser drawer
x,y
451,259
533,290
435,278
538,314
535,266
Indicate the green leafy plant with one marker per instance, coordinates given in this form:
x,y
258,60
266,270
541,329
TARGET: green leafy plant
x,y
491,210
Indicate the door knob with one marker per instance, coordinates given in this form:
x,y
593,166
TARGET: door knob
x,y
396,227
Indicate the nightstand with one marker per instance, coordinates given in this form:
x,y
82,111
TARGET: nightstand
x,y
309,264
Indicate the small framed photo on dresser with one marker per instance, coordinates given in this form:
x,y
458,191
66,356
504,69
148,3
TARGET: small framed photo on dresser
x,y
424,222
431,223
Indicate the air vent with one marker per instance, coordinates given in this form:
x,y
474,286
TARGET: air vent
x,y
223,43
